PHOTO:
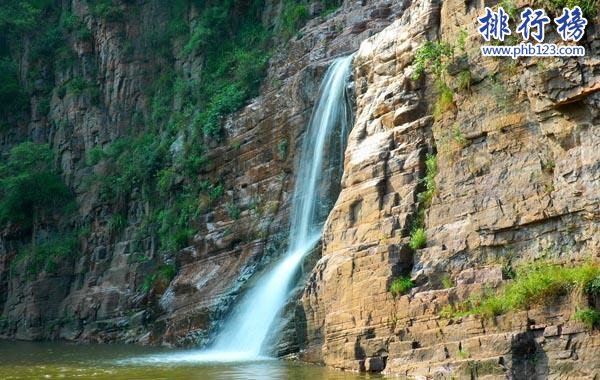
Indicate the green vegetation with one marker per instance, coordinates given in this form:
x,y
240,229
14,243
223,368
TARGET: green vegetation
x,y
451,142
13,99
461,39
282,149
132,163
172,223
330,6
501,94
433,58
30,188
234,63
534,284
458,136
589,317
431,170
464,80
107,9
447,282
46,256
445,100
164,274
293,17
594,286
588,7
233,210
508,272
418,238
463,354
401,285
161,155
509,7
117,222
77,85
38,27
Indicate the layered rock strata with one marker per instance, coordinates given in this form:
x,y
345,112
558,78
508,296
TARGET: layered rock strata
x,y
517,181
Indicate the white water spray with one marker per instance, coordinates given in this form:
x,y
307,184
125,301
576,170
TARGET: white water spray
x,y
248,329
245,333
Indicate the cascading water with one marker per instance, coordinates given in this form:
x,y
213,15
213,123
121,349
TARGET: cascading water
x,y
245,333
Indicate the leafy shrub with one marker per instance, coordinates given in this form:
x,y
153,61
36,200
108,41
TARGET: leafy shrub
x,y
43,106
17,17
418,238
46,43
95,94
12,97
164,273
214,191
94,156
508,272
133,162
77,85
107,9
83,33
431,57
594,286
461,40
234,63
459,137
69,21
165,181
45,256
589,317
30,188
174,231
292,18
401,285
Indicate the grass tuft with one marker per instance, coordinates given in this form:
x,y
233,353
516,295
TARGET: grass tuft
x,y
589,317
418,238
533,285
401,285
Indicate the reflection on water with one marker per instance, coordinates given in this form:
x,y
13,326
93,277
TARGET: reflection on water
x,y
25,360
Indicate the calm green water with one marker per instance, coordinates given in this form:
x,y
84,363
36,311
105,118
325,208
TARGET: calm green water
x,y
25,360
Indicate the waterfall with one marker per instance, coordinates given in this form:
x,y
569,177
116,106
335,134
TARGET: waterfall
x,y
245,333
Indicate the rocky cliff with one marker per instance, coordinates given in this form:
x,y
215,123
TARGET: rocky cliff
x,y
500,173
116,99
180,167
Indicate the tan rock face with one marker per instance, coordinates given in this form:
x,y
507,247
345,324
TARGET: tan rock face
x,y
517,180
